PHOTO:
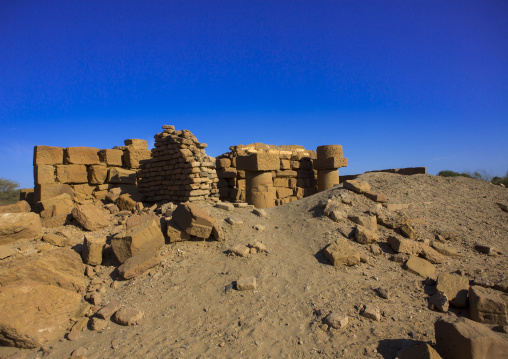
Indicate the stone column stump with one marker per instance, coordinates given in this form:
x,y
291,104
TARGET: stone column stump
x,y
329,160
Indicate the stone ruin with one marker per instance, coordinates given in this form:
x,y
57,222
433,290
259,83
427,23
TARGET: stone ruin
x,y
178,170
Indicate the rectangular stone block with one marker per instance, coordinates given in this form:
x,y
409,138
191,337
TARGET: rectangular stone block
x,y
330,163
45,191
258,162
83,188
281,182
285,164
71,174
135,157
81,156
136,143
283,192
48,155
111,157
223,163
228,172
97,174
121,176
44,174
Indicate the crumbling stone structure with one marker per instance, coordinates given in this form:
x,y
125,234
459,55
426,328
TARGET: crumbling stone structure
x,y
179,169
266,175
86,173
329,160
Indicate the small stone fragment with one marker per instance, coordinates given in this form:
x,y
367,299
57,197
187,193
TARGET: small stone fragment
x,y
336,320
382,292
98,324
372,312
110,309
259,246
365,236
440,301
419,351
127,316
421,267
234,221
341,253
239,250
56,240
225,206
138,264
259,212
357,186
246,283
259,227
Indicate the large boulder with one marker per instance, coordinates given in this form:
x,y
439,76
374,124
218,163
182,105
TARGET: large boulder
x,y
194,220
455,287
488,305
34,313
90,217
56,206
18,207
19,226
144,237
462,338
60,267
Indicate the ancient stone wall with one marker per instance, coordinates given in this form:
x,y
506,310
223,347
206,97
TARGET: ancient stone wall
x,y
179,169
87,173
285,172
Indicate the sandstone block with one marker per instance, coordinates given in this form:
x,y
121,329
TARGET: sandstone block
x,y
56,206
246,283
136,143
390,219
92,249
34,314
56,240
6,251
376,197
84,188
488,305
421,267
71,174
365,236
258,162
341,253
126,203
194,220
144,237
111,157
90,217
138,264
48,155
419,351
372,312
18,207
223,162
19,226
369,222
127,316
121,176
107,311
329,163
225,206
60,267
81,156
440,301
408,231
455,287
357,186
445,250
175,233
432,255
97,174
239,250
218,232
462,338
135,157
45,191
403,245
44,174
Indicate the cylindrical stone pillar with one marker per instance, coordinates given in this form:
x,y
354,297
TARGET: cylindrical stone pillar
x,y
259,189
327,179
329,151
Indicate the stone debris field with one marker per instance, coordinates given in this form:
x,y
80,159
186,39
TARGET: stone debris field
x,y
262,252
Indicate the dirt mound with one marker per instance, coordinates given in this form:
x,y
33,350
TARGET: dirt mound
x,y
192,308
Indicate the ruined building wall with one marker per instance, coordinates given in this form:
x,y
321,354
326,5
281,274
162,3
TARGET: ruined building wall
x,y
87,173
293,176
179,169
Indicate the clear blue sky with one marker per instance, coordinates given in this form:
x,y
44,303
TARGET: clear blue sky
x,y
396,83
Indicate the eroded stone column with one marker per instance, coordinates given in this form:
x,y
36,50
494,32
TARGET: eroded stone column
x,y
258,169
329,160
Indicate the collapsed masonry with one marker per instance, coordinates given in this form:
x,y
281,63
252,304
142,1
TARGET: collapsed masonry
x,y
178,170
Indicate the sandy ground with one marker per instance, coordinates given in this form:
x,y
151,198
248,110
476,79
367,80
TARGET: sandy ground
x,y
189,314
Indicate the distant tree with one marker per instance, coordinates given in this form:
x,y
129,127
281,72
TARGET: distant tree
x,y
7,185
448,173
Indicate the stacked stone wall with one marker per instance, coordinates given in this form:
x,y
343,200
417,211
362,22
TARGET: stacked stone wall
x,y
290,168
87,173
179,169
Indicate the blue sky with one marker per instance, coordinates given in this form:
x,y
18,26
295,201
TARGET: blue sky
x,y
396,83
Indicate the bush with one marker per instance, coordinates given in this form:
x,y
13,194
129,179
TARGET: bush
x,y
8,192
481,175
448,173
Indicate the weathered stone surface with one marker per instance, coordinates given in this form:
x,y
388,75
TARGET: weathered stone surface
x,y
71,174
135,157
369,222
48,155
421,267
246,283
121,176
34,313
97,174
223,163
357,186
341,253
194,220
403,245
92,249
45,191
365,236
419,351
175,233
138,264
98,324
44,174
446,250
432,255
391,219
56,206
376,197
19,226
455,287
462,338
218,233
81,156
336,320
488,305
239,250
107,311
56,240
408,231
136,143
60,267
141,238
258,162
90,217
127,316
6,251
440,301
18,207
111,157
225,206
372,312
